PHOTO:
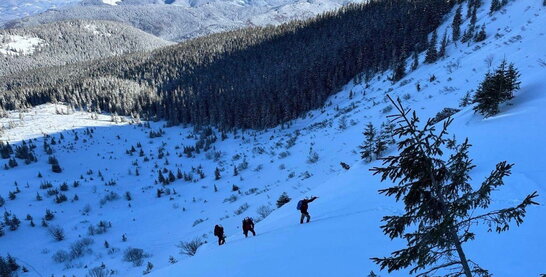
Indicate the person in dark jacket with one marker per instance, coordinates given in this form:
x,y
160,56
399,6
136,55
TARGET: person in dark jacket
x,y
219,232
248,225
304,207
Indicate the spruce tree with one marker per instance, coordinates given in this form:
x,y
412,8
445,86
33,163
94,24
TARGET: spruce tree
x,y
160,178
12,264
432,52
495,6
217,174
283,199
498,87
387,132
368,146
179,174
49,215
172,178
466,100
12,163
456,24
5,150
380,145
431,175
56,168
5,271
400,68
481,35
14,223
474,16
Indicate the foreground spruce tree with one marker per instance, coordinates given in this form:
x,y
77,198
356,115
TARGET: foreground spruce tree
x,y
441,206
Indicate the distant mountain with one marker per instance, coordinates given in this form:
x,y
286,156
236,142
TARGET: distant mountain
x,y
69,42
15,9
177,20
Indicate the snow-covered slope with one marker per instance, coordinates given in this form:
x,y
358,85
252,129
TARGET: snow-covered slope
x,y
15,45
344,232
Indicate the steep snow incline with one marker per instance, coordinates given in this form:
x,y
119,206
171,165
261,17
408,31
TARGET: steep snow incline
x,y
18,45
344,232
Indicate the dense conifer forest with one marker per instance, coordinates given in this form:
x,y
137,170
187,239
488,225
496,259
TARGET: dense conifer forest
x,y
249,78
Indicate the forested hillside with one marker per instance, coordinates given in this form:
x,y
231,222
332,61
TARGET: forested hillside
x,y
70,42
250,78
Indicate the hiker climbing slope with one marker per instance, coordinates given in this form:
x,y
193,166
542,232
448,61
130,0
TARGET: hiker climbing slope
x,y
219,232
248,225
303,206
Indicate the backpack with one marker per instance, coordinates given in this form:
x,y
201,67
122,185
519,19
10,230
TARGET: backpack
x,y
299,205
218,230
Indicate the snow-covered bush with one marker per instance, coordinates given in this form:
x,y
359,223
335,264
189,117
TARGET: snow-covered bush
x,y
313,157
241,209
134,255
292,141
98,272
259,168
190,248
387,109
111,196
231,199
243,165
61,256
284,154
80,247
101,228
198,221
149,268
342,122
263,211
56,232
443,114
86,209
251,191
